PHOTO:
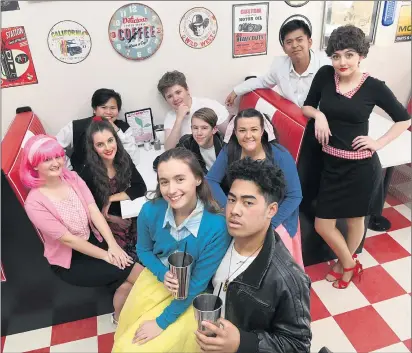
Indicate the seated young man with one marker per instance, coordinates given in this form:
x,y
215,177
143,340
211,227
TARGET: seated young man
x,y
293,73
175,91
204,141
105,103
265,293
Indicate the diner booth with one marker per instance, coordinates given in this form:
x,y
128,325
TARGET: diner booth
x,y
32,296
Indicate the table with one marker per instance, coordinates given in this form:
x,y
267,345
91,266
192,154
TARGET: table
x,y
396,153
145,167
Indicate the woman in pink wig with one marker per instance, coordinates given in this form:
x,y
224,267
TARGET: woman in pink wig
x,y
78,242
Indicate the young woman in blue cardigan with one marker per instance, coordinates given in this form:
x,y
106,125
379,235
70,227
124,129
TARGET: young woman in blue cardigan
x,y
251,134
181,212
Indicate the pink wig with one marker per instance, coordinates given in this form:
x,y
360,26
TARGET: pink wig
x,y
36,150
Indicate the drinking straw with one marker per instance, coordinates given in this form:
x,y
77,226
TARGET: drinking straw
x,y
184,255
218,295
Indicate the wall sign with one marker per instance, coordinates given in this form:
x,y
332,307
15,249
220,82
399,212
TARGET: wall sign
x,y
404,28
9,5
295,17
362,14
250,29
135,31
69,42
17,68
141,122
296,3
198,28
388,14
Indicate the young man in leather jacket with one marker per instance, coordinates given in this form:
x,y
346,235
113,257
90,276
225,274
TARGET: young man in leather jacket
x,y
265,293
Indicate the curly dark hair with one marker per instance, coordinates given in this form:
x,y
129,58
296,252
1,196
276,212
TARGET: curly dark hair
x,y
188,157
122,162
234,148
348,37
169,79
268,177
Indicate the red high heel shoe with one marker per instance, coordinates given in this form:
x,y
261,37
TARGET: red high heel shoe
x,y
357,271
337,275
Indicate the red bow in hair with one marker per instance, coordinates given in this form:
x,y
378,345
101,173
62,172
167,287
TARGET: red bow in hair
x,y
97,118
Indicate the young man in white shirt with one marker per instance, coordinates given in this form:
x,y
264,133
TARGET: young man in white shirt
x,y
292,74
174,89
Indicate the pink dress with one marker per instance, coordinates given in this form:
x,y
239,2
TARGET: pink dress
x,y
294,245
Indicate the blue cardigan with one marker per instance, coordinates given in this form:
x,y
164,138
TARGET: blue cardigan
x,y
207,249
288,212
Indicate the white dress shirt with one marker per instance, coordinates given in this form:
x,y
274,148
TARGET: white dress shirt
x,y
65,138
290,84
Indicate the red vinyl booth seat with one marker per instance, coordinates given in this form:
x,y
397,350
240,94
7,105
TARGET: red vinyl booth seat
x,y
296,133
32,295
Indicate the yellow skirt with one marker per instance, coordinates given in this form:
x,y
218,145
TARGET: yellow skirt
x,y
146,301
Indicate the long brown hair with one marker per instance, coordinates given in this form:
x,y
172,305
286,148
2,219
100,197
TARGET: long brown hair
x,y
202,190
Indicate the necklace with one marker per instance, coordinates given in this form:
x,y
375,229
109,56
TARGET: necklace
x,y
226,284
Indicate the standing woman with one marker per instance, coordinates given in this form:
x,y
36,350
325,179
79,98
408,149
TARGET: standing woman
x,y
182,213
112,177
340,100
78,243
254,137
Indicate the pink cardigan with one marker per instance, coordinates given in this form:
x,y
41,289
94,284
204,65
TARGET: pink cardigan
x,y
45,217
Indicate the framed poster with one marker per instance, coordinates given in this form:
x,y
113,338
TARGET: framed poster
x,y
69,42
9,5
362,14
250,29
404,27
135,31
296,3
295,17
17,68
141,122
198,28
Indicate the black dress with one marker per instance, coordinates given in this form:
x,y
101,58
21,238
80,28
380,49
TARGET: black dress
x,y
125,235
348,187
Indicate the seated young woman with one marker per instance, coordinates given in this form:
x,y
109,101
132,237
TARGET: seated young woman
x,y
254,137
78,242
112,177
105,103
182,213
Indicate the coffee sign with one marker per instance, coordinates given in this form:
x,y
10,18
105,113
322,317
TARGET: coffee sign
x,y
135,31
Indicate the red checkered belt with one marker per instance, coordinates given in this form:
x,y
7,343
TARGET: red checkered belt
x,y
346,154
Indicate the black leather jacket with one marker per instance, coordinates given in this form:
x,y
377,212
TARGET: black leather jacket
x,y
269,302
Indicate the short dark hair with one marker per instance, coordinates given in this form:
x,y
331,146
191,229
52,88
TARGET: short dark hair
x,y
207,115
169,79
102,95
267,176
348,37
293,25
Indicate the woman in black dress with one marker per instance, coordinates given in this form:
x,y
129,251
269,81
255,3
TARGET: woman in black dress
x,y
112,177
340,100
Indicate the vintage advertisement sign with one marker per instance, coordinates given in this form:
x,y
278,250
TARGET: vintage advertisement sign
x,y
69,42
250,29
404,29
198,28
135,31
141,122
9,5
17,68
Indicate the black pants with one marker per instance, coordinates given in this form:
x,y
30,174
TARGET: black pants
x,y
87,271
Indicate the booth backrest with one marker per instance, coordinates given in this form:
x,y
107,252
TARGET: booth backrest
x,y
24,126
286,117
